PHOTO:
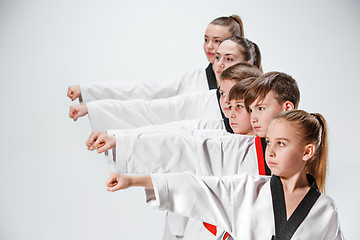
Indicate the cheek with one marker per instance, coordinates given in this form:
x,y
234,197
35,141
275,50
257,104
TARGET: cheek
x,y
205,46
245,118
223,102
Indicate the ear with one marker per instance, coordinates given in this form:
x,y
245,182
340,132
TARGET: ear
x,y
288,106
309,152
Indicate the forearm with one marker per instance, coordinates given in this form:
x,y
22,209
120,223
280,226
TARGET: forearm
x,y
141,181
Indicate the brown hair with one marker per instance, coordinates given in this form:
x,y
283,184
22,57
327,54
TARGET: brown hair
x,y
283,86
234,23
240,71
311,128
248,49
237,92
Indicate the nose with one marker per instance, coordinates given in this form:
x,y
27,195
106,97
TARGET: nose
x,y
253,118
221,63
270,151
232,115
211,45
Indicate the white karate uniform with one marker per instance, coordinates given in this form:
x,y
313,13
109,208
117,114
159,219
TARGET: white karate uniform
x,y
241,205
204,152
192,81
116,114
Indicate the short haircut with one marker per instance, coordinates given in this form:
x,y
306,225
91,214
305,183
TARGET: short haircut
x,y
237,92
283,86
240,71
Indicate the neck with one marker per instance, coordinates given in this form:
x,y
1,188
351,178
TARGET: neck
x,y
296,182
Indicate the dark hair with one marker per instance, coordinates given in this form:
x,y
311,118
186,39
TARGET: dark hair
x,y
248,49
311,128
283,85
237,92
234,23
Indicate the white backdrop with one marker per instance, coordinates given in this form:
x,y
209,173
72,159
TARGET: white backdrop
x,y
52,188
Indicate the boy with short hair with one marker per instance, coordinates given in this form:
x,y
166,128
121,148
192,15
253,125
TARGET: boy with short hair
x,y
270,94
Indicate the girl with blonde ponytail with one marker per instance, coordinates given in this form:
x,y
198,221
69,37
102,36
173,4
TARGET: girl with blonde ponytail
x,y
287,205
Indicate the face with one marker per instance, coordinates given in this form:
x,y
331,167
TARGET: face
x,y
262,112
284,152
214,35
224,90
240,118
227,55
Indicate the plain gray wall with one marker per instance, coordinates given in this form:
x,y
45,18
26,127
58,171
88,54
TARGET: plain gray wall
x,y
52,188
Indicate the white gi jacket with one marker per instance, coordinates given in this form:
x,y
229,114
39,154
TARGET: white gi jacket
x,y
193,81
241,205
116,114
204,152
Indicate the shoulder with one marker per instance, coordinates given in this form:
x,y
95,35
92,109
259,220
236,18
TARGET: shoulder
x,y
327,203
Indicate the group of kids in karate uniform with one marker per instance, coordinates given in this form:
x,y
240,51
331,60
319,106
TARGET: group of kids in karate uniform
x,y
223,149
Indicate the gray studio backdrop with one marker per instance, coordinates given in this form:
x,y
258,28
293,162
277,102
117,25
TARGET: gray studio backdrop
x,y
51,187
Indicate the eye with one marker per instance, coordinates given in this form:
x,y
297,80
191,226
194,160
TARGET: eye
x,y
268,142
250,110
240,106
261,108
206,40
229,59
217,58
281,144
230,107
218,41
222,94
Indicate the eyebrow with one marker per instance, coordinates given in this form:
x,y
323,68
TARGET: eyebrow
x,y
213,37
282,138
259,104
227,54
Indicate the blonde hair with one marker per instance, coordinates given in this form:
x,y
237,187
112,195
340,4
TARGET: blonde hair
x,y
311,128
234,23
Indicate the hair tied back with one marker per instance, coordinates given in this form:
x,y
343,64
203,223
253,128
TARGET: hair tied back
x,y
234,19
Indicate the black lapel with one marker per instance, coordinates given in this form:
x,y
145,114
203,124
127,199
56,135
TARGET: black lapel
x,y
278,200
211,79
263,144
287,230
225,119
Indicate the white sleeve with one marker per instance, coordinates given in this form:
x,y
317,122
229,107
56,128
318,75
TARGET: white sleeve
x,y
116,114
176,84
192,124
214,200
204,152
184,125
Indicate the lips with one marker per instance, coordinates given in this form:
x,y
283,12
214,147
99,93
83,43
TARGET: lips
x,y
256,129
270,163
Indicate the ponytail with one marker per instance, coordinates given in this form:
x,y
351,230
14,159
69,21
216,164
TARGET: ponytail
x,y
317,167
234,23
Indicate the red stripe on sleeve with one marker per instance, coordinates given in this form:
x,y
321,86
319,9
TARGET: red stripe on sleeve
x,y
260,156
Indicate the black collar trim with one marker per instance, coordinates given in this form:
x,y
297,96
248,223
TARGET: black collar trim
x,y
211,79
285,229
